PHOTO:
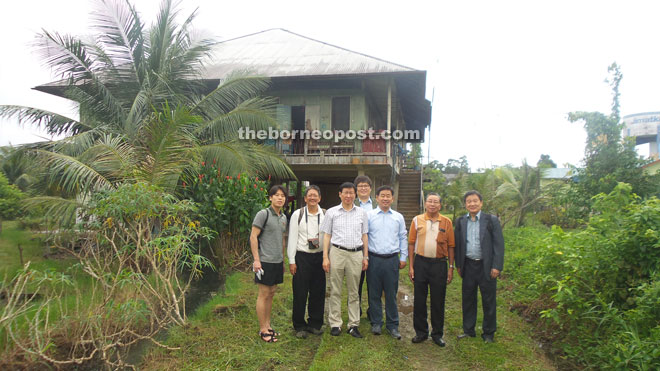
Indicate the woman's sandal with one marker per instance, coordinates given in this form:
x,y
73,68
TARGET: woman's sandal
x,y
270,330
268,337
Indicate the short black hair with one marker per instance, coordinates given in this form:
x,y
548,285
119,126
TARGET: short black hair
x,y
312,187
385,188
433,194
362,179
278,187
347,185
470,193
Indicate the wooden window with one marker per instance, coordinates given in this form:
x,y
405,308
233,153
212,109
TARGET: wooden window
x,y
341,113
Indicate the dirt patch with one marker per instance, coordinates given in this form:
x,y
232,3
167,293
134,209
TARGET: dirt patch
x,y
404,299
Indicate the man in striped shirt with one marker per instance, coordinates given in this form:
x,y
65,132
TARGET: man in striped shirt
x,y
345,227
430,245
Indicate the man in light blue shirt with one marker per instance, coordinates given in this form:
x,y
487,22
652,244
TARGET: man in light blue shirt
x,y
388,250
473,250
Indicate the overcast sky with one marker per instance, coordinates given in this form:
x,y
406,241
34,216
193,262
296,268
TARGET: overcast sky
x,y
502,75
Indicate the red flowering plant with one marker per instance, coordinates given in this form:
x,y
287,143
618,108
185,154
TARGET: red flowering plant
x,y
227,204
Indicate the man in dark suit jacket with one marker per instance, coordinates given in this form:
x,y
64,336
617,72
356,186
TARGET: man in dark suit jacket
x,y
479,260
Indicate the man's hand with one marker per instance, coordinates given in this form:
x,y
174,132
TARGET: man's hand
x,y
494,273
402,264
326,265
365,264
411,274
283,268
459,272
293,268
450,275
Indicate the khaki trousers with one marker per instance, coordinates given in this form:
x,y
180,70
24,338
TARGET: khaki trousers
x,y
344,264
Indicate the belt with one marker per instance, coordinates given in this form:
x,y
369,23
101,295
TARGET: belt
x,y
359,248
474,260
383,256
443,259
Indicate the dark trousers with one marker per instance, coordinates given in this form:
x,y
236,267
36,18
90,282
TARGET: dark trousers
x,y
429,272
473,277
383,276
362,277
308,291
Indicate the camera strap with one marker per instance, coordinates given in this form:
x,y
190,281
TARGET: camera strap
x,y
318,223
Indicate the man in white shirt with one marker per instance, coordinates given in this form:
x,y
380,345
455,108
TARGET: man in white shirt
x,y
306,265
345,227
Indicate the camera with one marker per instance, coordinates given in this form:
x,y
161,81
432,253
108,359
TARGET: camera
x,y
313,243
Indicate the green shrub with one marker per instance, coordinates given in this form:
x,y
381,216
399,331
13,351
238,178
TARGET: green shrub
x,y
602,281
227,205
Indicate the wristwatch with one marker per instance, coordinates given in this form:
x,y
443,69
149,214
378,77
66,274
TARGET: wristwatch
x,y
366,258
451,265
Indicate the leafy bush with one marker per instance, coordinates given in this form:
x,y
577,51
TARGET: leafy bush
x,y
602,281
138,248
227,205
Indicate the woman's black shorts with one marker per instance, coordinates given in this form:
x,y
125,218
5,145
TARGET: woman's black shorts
x,y
273,274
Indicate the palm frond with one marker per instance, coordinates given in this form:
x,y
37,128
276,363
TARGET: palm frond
x,y
255,113
233,157
76,144
53,123
72,175
72,59
112,157
62,210
167,146
161,34
231,92
121,34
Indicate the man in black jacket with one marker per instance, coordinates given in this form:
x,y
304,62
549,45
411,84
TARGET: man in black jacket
x,y
479,260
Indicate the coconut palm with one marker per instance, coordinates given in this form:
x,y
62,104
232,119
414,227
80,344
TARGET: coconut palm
x,y
522,191
145,111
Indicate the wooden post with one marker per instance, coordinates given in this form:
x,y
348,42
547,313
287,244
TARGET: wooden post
x,y
20,253
389,121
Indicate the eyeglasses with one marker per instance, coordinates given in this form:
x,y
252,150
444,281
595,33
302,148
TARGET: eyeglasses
x,y
433,202
364,186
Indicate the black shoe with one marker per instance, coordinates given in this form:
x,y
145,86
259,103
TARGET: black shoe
x,y
419,338
376,329
488,339
464,335
302,334
335,331
314,331
439,341
355,332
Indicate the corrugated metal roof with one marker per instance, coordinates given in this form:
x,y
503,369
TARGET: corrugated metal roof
x,y
281,53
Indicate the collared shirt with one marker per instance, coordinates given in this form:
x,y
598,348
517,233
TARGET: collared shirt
x,y
346,227
299,234
387,233
271,236
367,206
432,237
473,240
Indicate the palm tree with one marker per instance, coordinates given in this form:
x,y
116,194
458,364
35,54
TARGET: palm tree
x,y
145,111
523,191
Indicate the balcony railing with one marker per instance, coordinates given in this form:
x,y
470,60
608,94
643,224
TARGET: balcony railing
x,y
328,151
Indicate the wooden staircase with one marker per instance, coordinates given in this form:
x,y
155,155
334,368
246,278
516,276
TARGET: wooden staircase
x,y
408,203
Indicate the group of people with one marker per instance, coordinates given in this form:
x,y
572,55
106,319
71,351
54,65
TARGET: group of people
x,y
360,239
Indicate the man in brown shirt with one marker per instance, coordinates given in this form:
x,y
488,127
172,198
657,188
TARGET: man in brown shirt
x,y
430,245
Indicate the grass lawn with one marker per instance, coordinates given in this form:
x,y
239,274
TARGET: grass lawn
x,y
223,335
33,250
